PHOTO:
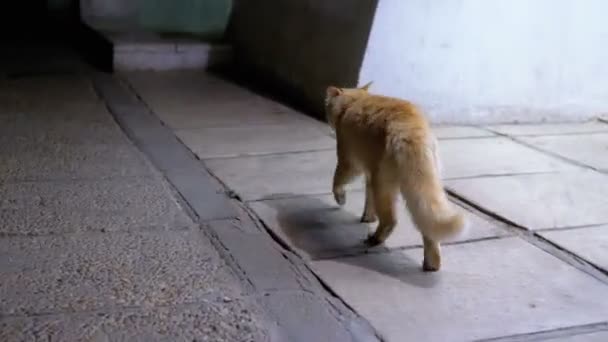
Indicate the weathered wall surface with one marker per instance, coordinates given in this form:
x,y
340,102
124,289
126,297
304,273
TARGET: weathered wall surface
x,y
302,45
492,61
207,18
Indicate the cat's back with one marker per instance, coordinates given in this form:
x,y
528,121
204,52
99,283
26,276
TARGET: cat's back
x,y
385,114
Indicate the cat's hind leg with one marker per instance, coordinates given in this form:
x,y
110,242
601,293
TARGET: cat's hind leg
x,y
384,196
432,255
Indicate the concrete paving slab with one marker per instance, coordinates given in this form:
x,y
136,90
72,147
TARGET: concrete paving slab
x,y
260,258
485,289
175,87
220,114
79,272
202,100
291,293
172,93
32,161
207,321
588,149
280,175
240,141
192,85
162,94
494,156
318,228
301,311
590,243
598,336
541,201
550,129
32,208
458,132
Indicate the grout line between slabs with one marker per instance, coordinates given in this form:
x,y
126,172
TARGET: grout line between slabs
x,y
540,242
503,134
550,335
551,154
564,134
565,229
360,187
380,250
478,137
265,154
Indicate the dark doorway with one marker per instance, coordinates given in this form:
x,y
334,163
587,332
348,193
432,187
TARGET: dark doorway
x,y
36,20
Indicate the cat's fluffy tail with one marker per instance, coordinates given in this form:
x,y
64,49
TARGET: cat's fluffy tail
x,y
435,217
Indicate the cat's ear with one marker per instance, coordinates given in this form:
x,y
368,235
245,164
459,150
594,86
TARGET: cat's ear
x,y
366,87
333,91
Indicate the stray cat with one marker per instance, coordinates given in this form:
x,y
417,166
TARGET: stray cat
x,y
390,141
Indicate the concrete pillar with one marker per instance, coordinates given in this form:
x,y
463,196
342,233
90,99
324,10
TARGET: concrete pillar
x,y
301,46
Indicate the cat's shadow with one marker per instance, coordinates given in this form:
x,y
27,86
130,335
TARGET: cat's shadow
x,y
325,231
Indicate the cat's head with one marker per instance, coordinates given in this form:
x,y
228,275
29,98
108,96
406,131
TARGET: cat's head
x,y
336,99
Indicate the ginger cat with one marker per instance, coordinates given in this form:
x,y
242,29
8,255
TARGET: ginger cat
x,y
390,141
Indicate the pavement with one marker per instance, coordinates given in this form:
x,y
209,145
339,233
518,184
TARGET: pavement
x,y
534,266
112,230
180,206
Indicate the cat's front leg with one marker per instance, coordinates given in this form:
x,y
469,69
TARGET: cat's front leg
x,y
340,196
384,199
344,174
338,187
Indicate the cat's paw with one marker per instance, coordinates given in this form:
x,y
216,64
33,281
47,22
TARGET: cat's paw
x,y
372,240
368,218
430,266
340,196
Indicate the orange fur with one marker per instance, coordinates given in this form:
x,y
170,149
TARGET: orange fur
x,y
390,141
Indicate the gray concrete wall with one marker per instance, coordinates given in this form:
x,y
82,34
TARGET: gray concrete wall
x,y
492,61
302,45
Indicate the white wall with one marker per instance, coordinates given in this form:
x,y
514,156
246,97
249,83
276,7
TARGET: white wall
x,y
492,60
